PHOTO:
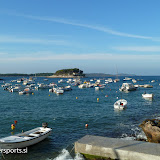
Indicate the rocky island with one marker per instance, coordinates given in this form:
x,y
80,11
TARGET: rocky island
x,y
68,73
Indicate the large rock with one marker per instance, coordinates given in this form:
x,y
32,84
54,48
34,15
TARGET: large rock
x,y
152,130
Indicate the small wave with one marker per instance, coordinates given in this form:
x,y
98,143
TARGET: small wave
x,y
65,155
137,134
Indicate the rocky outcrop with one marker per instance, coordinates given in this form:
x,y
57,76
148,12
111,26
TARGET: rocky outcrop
x,y
151,129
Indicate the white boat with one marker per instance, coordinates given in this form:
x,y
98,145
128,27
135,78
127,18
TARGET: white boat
x,y
147,86
152,81
43,86
26,91
61,81
134,81
120,104
147,96
67,88
59,91
116,80
25,139
127,79
127,87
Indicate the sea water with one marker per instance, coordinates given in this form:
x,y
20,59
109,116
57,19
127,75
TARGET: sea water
x,y
67,115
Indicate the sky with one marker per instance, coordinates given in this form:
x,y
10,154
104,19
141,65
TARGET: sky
x,y
96,36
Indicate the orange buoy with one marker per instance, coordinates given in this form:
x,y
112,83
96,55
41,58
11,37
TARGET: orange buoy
x,y
76,97
12,126
86,126
110,89
15,122
97,99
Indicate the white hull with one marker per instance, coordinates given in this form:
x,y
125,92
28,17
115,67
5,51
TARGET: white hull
x,y
120,104
147,95
23,140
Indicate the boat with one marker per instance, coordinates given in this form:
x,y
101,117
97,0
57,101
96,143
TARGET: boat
x,y
147,86
147,95
120,104
26,139
134,81
127,79
127,87
26,91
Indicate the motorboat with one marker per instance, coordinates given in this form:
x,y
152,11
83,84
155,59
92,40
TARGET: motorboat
x,y
26,91
67,88
61,81
127,79
134,81
59,91
25,139
43,86
147,95
127,87
147,86
120,104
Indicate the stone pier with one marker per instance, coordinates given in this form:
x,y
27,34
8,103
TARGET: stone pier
x,y
115,148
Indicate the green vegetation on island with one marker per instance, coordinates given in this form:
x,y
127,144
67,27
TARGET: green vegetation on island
x,y
69,72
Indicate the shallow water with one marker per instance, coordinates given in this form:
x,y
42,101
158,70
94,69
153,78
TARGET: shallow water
x,y
68,116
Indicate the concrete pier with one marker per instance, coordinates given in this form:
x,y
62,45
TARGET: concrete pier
x,y
117,148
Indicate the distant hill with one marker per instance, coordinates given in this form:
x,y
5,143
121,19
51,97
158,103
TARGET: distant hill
x,y
98,75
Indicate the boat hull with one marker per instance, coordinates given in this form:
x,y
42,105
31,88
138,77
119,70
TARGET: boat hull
x,y
23,144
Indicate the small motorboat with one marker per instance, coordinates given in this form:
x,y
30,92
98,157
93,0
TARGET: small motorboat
x,y
26,139
120,104
147,95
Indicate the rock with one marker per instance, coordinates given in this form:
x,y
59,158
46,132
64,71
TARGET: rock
x,y
151,129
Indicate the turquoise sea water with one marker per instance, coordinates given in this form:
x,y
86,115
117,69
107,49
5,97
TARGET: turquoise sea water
x,y
68,115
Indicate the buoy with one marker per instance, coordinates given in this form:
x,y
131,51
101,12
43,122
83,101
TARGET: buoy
x,y
15,122
32,93
116,91
76,97
110,89
98,99
12,126
86,126
49,94
106,96
117,97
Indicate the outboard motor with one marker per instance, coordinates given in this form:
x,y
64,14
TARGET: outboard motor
x,y
45,124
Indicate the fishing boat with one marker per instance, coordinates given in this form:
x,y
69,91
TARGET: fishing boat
x,y
120,104
26,139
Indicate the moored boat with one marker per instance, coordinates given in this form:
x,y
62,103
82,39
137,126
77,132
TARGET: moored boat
x,y
25,139
120,104
127,87
147,95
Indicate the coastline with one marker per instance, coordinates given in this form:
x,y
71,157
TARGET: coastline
x,y
62,76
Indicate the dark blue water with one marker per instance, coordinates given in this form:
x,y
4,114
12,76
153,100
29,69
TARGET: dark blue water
x,y
68,115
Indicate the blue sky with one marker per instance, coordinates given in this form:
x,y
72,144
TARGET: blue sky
x,y
93,35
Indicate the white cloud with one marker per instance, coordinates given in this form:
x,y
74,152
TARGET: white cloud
x,y
139,48
91,56
13,39
95,27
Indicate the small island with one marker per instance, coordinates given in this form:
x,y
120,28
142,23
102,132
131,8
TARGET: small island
x,y
68,73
